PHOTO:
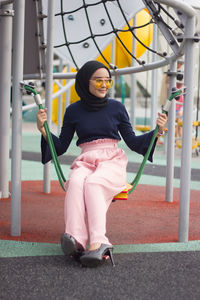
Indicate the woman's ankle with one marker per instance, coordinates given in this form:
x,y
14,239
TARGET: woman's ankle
x,y
94,246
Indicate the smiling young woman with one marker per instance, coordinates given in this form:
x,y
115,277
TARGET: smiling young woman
x,y
99,172
100,82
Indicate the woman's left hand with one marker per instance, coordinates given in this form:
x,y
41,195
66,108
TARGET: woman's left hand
x,y
161,122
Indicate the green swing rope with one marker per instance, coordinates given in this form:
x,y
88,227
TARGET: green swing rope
x,y
58,169
165,110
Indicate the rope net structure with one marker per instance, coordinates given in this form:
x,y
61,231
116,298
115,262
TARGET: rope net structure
x,y
96,21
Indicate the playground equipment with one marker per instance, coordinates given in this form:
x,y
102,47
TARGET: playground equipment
x,y
30,90
130,187
195,126
121,58
195,140
108,19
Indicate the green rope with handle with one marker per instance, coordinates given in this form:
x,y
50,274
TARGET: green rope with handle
x,y
165,110
134,183
58,169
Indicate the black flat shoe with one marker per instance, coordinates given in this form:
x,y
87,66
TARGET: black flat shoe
x,y
71,247
97,257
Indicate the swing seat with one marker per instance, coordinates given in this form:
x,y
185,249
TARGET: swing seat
x,y
124,194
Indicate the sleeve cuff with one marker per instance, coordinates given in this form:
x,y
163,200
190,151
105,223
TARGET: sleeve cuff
x,y
46,154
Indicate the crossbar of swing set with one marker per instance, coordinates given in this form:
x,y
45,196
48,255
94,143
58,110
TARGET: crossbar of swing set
x,y
116,72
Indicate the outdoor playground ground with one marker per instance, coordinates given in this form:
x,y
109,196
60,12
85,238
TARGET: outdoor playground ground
x,y
150,262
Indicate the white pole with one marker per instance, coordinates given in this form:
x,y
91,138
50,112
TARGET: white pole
x,y
113,63
18,57
133,82
170,139
186,154
49,84
154,82
67,94
5,87
60,106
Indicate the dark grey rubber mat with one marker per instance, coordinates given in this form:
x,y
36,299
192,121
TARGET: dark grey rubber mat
x,y
150,169
157,276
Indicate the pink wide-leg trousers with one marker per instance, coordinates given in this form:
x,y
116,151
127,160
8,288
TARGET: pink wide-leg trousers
x,y
98,174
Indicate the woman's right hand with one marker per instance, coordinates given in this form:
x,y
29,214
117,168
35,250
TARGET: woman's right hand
x,y
41,118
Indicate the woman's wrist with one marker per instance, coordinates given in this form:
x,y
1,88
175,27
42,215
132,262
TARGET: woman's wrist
x,y
42,131
160,133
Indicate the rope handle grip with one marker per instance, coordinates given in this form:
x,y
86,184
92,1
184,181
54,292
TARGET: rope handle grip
x,y
29,88
165,110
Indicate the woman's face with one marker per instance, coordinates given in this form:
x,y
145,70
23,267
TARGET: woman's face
x,y
100,74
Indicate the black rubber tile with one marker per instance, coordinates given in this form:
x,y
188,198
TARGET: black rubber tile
x,y
150,169
166,276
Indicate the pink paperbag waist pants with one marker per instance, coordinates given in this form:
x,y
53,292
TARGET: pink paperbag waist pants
x,y
98,174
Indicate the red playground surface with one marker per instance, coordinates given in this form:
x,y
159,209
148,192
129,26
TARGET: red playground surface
x,y
144,218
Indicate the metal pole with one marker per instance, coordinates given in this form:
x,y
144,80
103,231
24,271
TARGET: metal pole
x,y
49,84
18,57
113,63
170,139
154,94
60,105
6,2
133,83
67,94
5,87
186,154
198,94
116,72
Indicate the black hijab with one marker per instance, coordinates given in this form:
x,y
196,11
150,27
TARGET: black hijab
x,y
89,101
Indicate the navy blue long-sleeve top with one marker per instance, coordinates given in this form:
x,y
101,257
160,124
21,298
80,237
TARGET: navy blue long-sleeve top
x,y
108,122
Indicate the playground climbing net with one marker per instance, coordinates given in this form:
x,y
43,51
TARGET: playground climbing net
x,y
157,11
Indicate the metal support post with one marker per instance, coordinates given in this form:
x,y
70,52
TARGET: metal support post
x,y
113,63
67,94
18,57
60,102
133,83
170,139
154,94
186,154
49,84
6,16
